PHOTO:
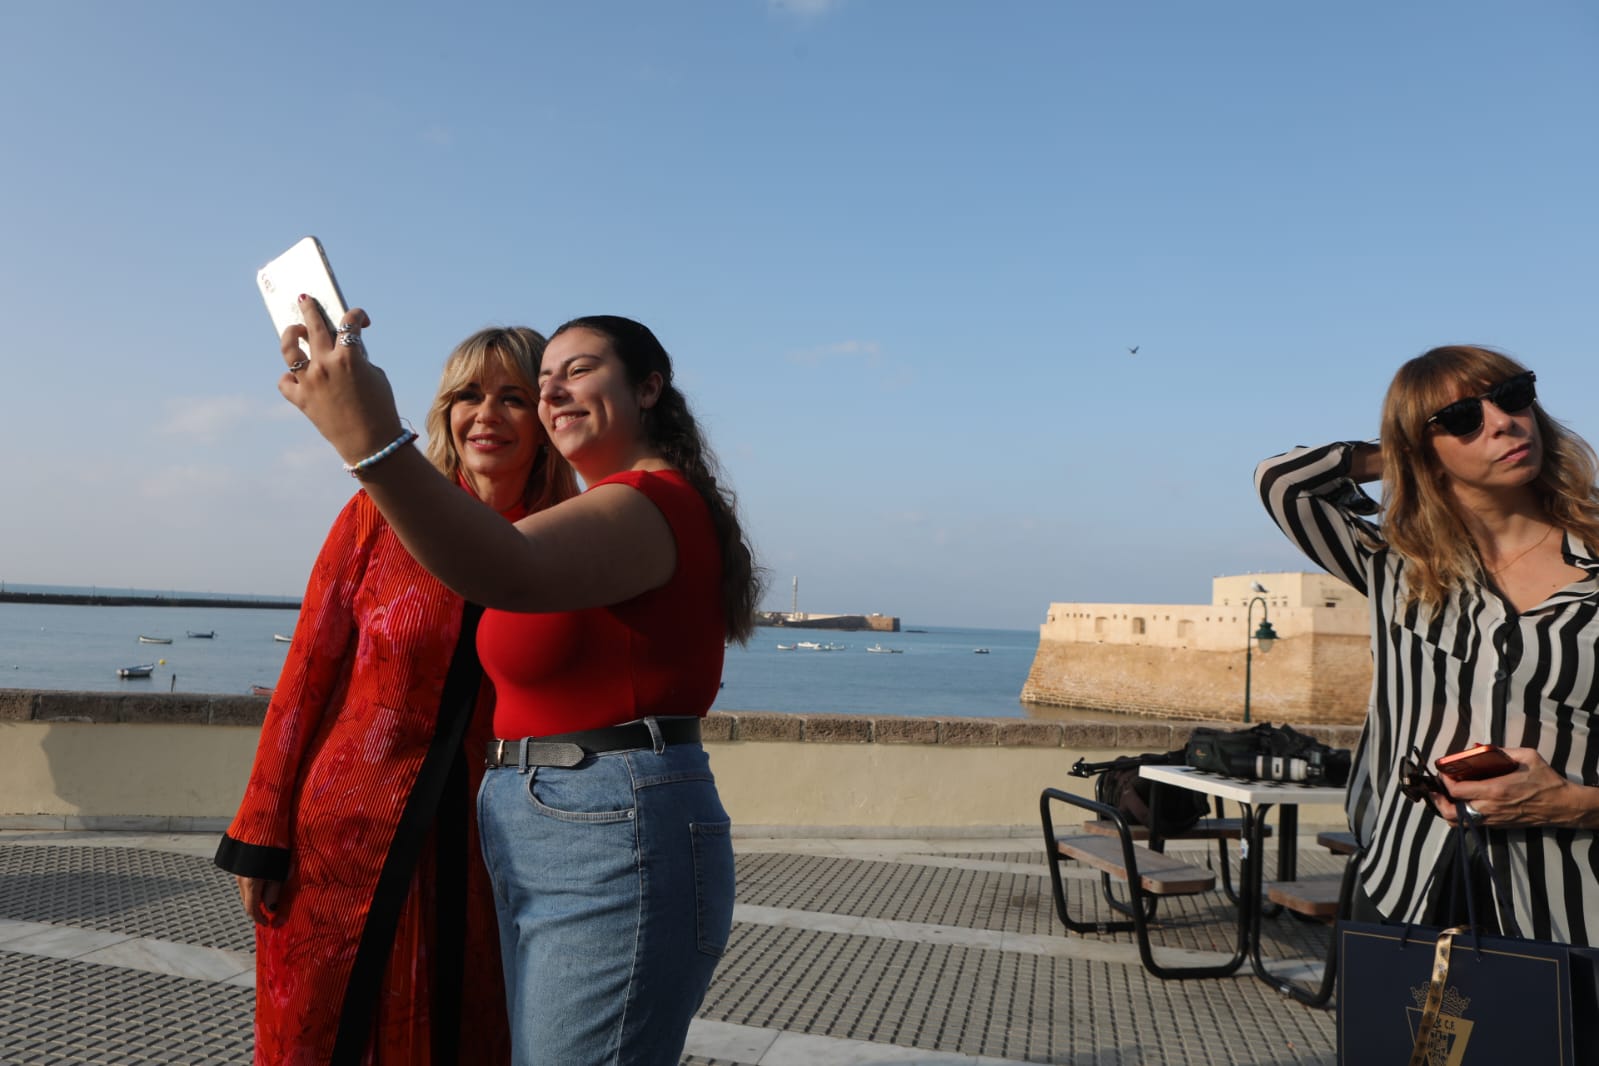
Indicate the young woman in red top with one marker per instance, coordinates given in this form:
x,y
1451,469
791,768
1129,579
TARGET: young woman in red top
x,y
602,830
355,846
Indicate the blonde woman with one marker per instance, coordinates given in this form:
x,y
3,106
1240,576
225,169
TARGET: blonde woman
x,y
356,844
1483,582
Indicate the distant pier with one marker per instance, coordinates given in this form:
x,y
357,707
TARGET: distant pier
x,y
877,623
104,599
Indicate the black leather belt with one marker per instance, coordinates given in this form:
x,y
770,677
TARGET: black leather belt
x,y
569,749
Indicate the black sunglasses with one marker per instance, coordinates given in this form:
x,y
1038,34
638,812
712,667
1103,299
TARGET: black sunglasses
x,y
1465,416
1416,782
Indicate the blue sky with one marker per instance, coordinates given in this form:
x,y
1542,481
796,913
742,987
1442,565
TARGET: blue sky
x,y
898,249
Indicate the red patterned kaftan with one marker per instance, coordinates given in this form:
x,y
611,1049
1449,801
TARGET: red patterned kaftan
x,y
361,801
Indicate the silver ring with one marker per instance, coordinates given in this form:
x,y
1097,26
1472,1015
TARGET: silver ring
x,y
299,365
1474,816
348,327
350,339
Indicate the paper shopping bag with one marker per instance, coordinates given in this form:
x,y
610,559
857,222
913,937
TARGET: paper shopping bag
x,y
1500,1000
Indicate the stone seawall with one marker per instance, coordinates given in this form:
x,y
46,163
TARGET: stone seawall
x,y
1135,734
177,761
1319,680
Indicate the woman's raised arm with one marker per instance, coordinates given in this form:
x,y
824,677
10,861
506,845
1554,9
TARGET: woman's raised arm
x,y
605,546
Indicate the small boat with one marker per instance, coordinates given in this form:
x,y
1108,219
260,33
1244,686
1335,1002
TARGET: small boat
x,y
154,640
281,639
135,671
260,690
878,649
809,645
202,636
979,651
830,646
785,647
916,631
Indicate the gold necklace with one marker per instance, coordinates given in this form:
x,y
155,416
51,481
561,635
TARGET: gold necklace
x,y
1506,566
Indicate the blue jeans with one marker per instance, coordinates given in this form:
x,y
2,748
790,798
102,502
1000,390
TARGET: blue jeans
x,y
614,885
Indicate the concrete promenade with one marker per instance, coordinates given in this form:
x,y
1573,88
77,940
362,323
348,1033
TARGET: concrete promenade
x,y
122,947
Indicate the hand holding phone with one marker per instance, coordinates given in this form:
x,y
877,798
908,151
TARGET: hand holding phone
x,y
302,269
1475,763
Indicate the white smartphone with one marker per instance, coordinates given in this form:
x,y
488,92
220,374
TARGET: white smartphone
x,y
302,269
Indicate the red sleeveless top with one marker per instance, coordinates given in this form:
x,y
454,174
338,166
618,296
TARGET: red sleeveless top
x,y
659,653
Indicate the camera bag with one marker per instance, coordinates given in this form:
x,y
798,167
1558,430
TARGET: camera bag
x,y
1267,752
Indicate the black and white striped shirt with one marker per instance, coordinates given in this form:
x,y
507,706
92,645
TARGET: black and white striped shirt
x,y
1473,671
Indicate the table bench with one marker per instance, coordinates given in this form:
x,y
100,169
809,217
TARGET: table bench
x,y
1321,895
1148,874
1338,843
1314,897
1256,799
1157,873
1204,829
1325,898
1218,829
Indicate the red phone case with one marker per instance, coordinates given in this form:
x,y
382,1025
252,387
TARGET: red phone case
x,y
1476,763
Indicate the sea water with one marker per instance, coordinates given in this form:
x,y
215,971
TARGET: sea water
x,y
939,672
80,648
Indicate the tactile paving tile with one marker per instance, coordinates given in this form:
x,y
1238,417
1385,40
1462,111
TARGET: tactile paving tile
x,y
937,895
1024,1007
1003,902
61,1011
1019,903
1209,921
949,998
136,891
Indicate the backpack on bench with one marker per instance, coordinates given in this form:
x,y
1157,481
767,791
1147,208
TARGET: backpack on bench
x,y
1120,786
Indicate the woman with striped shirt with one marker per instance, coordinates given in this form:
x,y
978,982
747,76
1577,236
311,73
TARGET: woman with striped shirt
x,y
1483,586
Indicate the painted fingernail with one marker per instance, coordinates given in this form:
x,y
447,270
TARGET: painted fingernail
x,y
304,297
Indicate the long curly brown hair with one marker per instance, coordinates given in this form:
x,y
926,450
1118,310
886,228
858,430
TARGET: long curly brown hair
x,y
1421,520
672,430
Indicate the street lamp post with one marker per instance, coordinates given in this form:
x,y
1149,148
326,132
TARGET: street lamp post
x,y
1265,635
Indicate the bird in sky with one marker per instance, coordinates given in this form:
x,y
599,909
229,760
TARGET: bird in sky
x,y
1134,349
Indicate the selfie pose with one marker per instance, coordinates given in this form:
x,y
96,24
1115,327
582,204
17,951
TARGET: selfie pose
x,y
355,847
607,615
1483,582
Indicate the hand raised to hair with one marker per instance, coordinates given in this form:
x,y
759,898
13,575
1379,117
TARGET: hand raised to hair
x,y
346,397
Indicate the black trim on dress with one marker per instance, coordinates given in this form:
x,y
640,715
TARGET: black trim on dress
x,y
456,707
252,860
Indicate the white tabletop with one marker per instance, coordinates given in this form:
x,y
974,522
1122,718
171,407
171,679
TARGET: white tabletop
x,y
1241,791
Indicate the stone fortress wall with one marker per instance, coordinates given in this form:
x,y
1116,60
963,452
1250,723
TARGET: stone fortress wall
x,y
1188,660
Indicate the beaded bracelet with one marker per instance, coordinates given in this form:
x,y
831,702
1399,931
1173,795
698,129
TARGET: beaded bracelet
x,y
406,436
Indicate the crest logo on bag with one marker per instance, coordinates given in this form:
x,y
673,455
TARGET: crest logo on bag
x,y
1451,1033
